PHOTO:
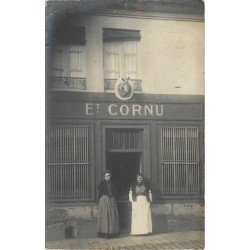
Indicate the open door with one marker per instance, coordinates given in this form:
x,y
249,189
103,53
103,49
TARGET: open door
x,y
124,168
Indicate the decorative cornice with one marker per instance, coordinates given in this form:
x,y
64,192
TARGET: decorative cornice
x,y
189,10
109,84
152,15
69,83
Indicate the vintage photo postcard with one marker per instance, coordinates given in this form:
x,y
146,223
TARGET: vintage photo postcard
x,y
124,124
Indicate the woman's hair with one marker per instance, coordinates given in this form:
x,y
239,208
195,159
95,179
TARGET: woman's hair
x,y
106,172
139,174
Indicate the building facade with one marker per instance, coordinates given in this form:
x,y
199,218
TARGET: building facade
x,y
125,92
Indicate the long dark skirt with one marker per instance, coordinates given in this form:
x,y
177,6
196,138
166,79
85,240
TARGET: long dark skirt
x,y
108,220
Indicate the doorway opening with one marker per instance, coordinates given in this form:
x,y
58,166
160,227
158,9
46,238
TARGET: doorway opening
x,y
124,147
124,168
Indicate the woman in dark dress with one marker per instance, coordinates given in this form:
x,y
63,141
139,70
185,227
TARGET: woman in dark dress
x,y
140,196
108,220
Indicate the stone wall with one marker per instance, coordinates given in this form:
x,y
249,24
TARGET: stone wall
x,y
177,217
79,221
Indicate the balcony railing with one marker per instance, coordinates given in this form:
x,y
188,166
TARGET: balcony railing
x,y
68,83
109,84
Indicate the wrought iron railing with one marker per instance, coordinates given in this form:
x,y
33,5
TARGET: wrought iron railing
x,y
68,83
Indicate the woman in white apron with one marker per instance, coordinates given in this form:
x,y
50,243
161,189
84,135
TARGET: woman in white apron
x,y
140,196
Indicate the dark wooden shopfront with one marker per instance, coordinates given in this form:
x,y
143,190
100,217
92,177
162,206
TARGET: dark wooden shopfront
x,y
87,133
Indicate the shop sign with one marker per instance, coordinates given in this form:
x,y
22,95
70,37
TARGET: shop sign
x,y
137,111
131,110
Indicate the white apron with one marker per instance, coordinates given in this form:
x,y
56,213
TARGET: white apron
x,y
141,216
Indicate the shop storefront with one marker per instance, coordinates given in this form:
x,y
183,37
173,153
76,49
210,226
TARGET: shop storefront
x,y
125,92
160,136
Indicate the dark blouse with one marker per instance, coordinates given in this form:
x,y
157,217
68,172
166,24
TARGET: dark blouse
x,y
106,188
142,189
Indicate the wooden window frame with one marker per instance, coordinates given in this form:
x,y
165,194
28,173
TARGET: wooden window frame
x,y
65,50
121,53
119,37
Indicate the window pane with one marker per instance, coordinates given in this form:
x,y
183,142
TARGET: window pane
x,y
69,61
57,55
131,75
130,47
120,59
111,60
130,59
77,61
130,63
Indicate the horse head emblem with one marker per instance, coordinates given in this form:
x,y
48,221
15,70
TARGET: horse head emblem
x,y
124,89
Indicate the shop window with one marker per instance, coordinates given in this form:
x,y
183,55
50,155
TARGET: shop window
x,y
124,140
120,57
179,161
68,68
68,162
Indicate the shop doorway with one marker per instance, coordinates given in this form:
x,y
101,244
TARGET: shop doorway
x,y
125,153
124,167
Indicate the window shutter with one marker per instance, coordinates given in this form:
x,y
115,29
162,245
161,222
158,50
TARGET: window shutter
x,y
68,162
180,168
70,35
112,35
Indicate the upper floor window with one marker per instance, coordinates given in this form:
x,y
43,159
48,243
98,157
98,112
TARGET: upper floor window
x,y
68,69
69,61
120,55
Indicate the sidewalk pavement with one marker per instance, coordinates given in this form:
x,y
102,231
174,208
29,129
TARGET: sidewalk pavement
x,y
177,240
